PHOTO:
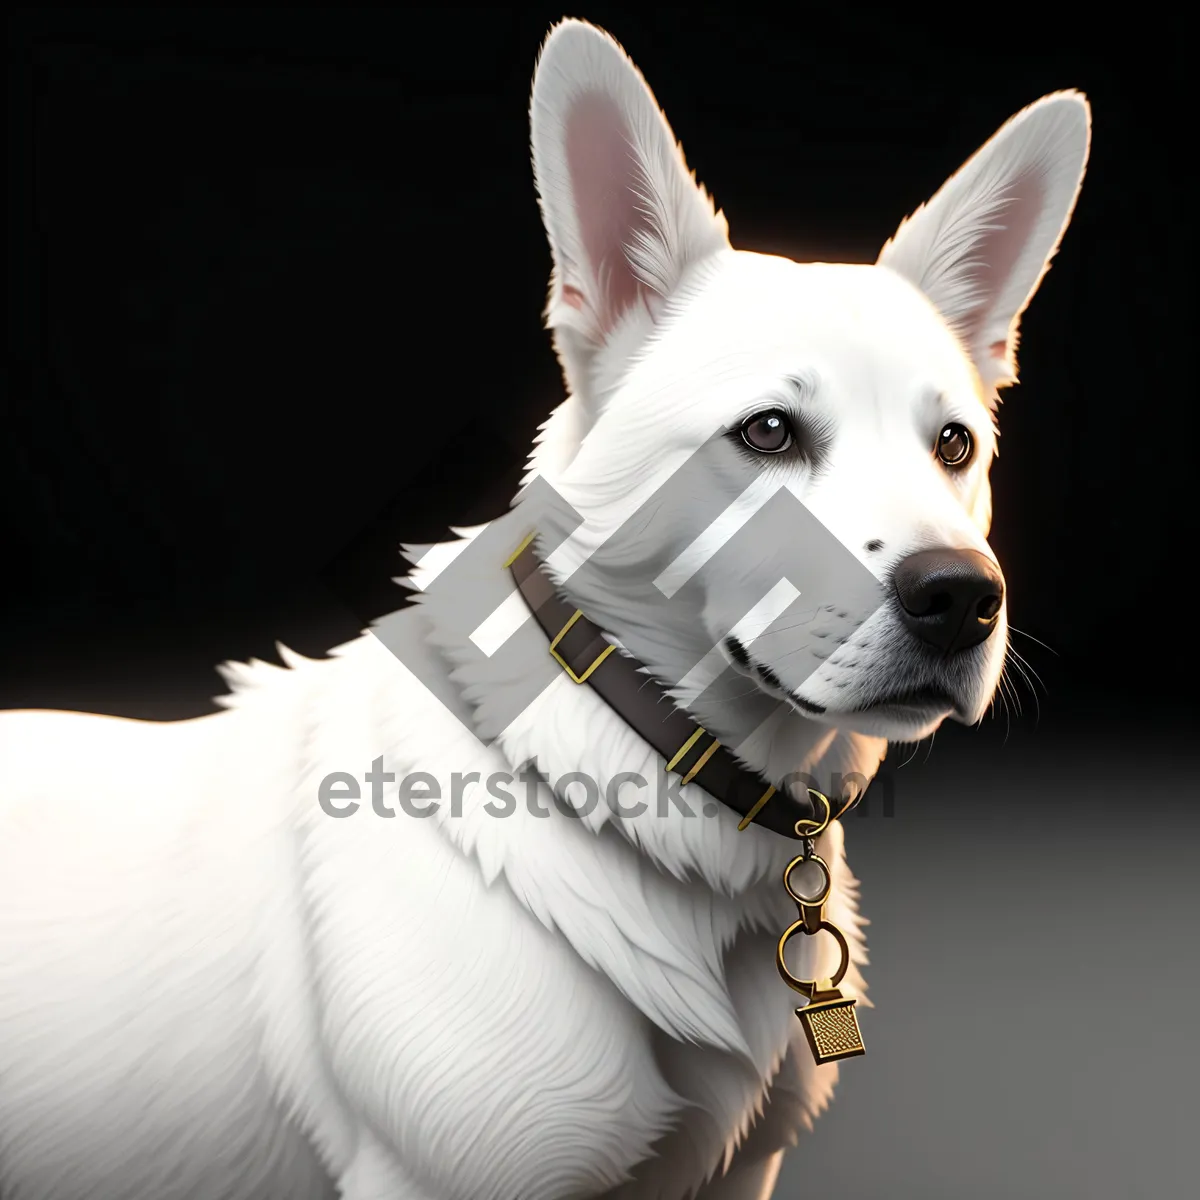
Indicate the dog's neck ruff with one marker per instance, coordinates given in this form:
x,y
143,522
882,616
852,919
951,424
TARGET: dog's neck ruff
x,y
587,656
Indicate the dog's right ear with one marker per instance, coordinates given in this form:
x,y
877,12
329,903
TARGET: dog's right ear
x,y
624,217
980,247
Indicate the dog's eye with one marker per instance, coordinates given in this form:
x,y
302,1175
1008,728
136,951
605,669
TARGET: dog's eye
x,y
768,432
954,446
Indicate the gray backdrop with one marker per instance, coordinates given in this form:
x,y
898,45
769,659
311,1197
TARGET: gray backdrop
x,y
1033,1036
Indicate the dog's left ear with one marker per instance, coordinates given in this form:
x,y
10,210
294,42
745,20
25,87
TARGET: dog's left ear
x,y
980,247
624,216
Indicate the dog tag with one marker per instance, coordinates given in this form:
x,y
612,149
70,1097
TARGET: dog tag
x,y
831,1025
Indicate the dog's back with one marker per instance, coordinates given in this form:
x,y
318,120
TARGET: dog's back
x,y
137,901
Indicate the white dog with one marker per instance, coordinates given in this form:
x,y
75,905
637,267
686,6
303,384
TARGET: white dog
x,y
210,989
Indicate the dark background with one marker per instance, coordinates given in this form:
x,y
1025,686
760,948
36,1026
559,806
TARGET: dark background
x,y
275,285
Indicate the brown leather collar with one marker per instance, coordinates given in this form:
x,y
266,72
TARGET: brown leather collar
x,y
587,656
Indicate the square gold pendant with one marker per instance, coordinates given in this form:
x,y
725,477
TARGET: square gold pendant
x,y
831,1027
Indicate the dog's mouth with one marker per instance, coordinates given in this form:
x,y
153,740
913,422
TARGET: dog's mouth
x,y
905,703
921,699
769,681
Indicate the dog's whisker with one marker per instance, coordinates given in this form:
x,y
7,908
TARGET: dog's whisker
x,y
1027,668
1000,704
1019,664
1014,629
1013,691
1012,705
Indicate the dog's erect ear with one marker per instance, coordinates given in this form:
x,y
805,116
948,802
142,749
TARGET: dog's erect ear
x,y
624,216
980,247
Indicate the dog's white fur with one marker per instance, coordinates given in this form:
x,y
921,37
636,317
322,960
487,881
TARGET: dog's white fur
x,y
210,989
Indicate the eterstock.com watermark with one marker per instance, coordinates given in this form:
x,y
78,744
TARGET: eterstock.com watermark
x,y
576,794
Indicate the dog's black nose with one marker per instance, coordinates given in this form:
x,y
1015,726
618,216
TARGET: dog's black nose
x,y
950,598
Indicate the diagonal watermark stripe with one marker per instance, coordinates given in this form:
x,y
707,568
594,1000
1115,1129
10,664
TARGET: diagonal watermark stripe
x,y
746,562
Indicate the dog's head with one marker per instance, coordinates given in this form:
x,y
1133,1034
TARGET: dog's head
x,y
869,392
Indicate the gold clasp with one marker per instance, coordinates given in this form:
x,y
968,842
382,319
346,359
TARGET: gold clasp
x,y
808,828
566,666
708,753
810,987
